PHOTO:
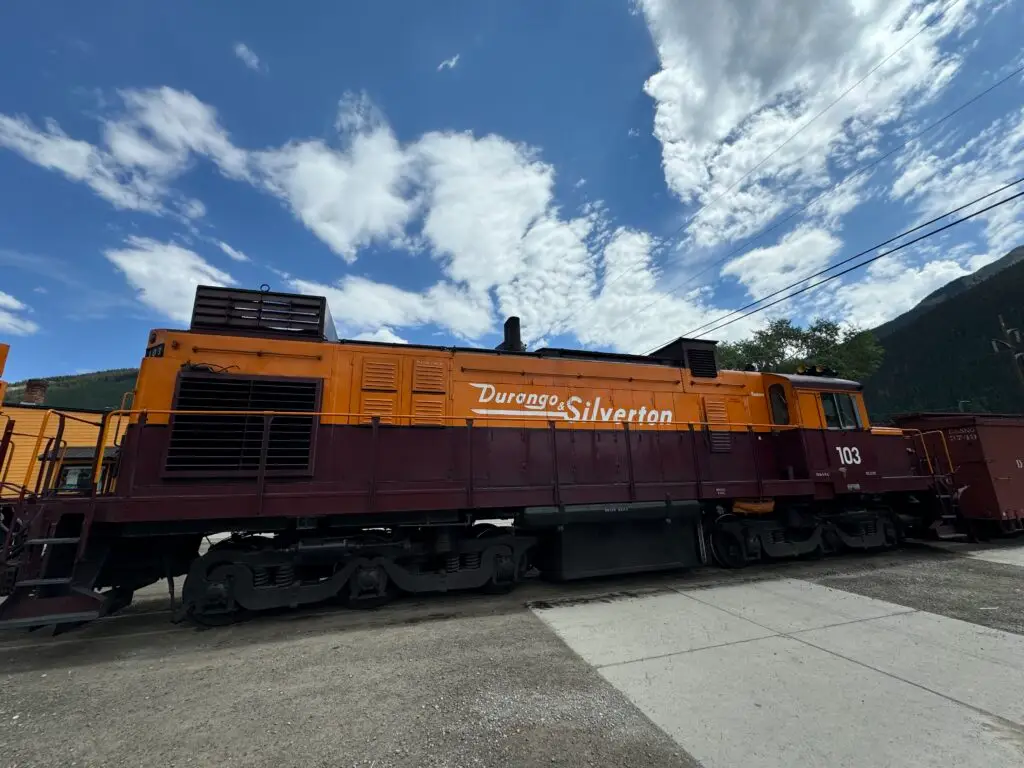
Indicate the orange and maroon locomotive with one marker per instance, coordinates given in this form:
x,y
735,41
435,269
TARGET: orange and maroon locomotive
x,y
355,470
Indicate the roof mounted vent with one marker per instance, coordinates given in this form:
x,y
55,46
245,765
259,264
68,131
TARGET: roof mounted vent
x,y
262,313
696,354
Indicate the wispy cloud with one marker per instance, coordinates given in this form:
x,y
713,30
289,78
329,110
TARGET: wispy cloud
x,y
448,63
12,320
248,57
233,253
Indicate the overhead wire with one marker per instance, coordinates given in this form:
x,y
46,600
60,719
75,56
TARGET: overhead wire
x,y
847,260
798,131
882,255
745,245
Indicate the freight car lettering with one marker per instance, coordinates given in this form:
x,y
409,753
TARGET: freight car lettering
x,y
551,406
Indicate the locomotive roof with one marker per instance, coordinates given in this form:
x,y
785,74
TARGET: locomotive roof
x,y
820,382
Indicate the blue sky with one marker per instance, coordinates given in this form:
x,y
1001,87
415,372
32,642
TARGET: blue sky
x,y
434,167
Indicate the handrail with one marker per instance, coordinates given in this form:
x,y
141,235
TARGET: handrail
x,y
455,419
945,447
35,452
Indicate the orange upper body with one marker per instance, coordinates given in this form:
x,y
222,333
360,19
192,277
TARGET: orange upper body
x,y
414,385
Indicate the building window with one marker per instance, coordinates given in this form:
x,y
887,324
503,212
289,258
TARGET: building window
x,y
779,406
840,411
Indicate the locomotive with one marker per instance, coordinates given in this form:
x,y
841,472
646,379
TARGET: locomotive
x,y
354,470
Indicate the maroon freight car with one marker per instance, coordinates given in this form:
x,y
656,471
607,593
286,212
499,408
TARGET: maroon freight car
x,y
987,456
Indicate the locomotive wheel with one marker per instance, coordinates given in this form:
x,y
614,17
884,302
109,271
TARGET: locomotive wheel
x,y
509,573
368,587
216,606
726,546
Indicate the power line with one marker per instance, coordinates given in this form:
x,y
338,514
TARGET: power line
x,y
873,259
802,128
847,260
829,190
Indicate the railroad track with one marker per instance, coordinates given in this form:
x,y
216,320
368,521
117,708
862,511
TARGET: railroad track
x,y
150,615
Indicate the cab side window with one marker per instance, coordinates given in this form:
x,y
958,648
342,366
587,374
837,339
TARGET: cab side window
x,y
779,406
840,411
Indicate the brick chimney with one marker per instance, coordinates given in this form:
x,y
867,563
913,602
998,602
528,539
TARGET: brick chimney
x,y
35,392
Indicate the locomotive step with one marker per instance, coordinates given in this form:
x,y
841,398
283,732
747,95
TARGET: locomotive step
x,y
42,582
59,540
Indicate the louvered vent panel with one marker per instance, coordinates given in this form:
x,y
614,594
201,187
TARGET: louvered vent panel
x,y
261,313
380,375
383,406
702,363
224,444
428,410
716,413
428,376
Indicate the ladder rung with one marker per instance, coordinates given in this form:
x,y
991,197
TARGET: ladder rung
x,y
59,540
42,582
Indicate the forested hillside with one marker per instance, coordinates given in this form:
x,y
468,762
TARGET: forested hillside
x,y
940,353
102,389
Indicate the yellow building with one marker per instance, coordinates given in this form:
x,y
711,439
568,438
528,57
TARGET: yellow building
x,y
69,463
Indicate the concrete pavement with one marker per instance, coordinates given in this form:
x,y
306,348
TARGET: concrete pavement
x,y
789,672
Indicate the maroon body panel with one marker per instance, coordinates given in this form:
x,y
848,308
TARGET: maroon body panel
x,y
382,469
987,454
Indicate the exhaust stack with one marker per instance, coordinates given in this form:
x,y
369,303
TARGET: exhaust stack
x,y
513,338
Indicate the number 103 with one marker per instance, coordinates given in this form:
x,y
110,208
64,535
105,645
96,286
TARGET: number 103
x,y
848,455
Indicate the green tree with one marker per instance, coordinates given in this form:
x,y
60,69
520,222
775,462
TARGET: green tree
x,y
782,347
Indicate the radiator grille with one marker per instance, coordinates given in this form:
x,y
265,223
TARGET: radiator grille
x,y
225,444
702,363
262,313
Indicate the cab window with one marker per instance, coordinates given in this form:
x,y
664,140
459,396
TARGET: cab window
x,y
840,411
779,406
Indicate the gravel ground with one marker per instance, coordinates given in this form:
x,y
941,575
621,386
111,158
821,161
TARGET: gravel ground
x,y
450,680
495,690
989,594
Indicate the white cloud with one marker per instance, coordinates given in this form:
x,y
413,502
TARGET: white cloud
x,y
232,253
12,318
484,207
890,288
802,252
144,149
248,57
192,209
481,197
740,77
385,335
358,305
50,148
448,63
950,174
347,198
165,275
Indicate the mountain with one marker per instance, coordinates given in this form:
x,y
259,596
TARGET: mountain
x,y
940,353
950,291
102,389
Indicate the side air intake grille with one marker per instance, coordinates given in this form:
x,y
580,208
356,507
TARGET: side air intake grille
x,y
701,363
224,444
